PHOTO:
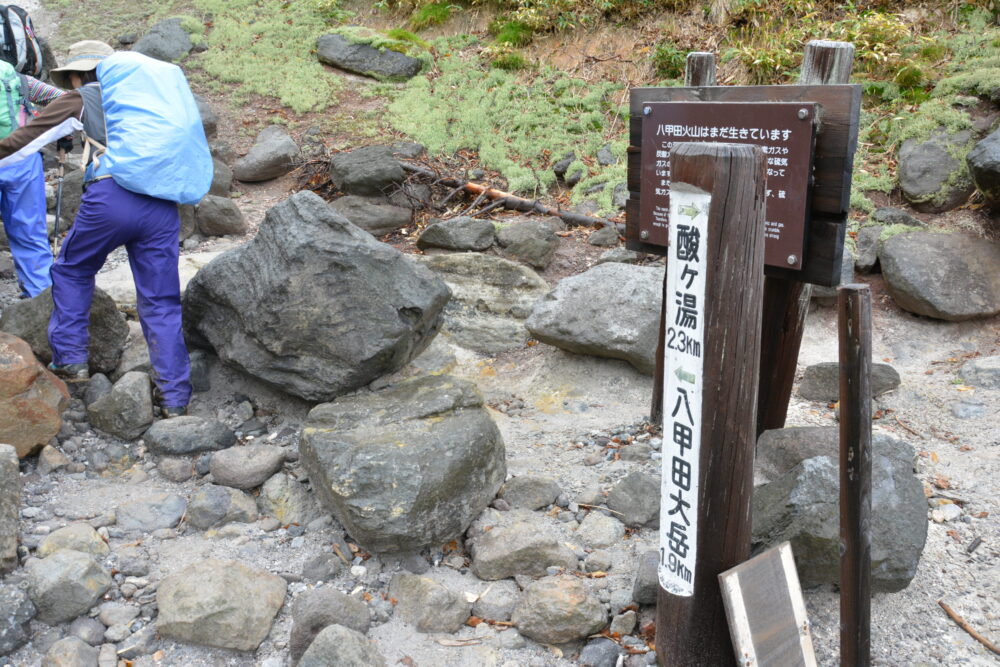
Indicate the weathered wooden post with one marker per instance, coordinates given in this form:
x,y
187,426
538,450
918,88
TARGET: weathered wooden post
x,y
786,300
854,312
699,70
715,286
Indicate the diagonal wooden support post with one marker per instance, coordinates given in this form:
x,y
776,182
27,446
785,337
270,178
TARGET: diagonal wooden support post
x,y
786,302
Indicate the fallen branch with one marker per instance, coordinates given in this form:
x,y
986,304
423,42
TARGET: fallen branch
x,y
509,201
968,628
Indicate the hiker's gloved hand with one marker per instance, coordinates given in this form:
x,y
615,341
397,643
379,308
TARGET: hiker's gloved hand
x,y
65,144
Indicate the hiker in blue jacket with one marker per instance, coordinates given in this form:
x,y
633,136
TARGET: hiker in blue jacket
x,y
112,215
22,185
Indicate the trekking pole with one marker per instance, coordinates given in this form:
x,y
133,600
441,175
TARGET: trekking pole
x,y
59,192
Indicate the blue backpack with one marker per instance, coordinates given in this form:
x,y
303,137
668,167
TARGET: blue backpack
x,y
156,143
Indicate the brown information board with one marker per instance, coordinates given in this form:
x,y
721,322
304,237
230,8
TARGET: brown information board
x,y
838,109
785,132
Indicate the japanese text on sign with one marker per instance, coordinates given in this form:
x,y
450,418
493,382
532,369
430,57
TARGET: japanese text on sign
x,y
683,366
784,131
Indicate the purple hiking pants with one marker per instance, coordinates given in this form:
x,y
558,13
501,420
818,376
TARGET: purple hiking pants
x,y
111,216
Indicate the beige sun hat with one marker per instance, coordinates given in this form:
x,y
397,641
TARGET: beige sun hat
x,y
83,57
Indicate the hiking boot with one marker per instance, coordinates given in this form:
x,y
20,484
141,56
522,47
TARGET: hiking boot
x,y
70,372
174,411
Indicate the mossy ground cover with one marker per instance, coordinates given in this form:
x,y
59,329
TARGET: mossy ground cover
x,y
519,124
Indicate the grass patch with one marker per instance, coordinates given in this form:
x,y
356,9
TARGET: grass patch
x,y
433,14
266,48
519,124
511,33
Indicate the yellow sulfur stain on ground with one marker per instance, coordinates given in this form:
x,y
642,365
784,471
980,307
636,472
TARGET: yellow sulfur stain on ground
x,y
552,403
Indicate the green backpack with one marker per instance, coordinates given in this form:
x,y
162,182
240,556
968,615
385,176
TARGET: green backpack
x,y
11,98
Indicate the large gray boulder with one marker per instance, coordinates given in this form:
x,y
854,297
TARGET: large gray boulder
x,y
273,154
364,59
781,449
29,320
10,507
984,166
491,298
931,175
950,277
166,40
431,436
343,647
802,507
611,310
65,585
372,214
225,604
556,610
313,305
372,171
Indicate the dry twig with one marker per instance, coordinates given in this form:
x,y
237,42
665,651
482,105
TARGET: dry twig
x,y
968,628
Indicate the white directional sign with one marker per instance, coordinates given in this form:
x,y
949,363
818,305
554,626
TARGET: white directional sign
x,y
683,386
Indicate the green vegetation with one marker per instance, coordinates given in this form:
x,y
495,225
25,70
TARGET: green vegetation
x,y
669,61
433,14
519,126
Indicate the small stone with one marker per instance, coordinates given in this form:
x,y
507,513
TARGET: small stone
x,y
206,603
599,530
343,647
428,605
968,409
556,610
497,602
108,656
65,585
599,653
117,633
115,613
520,548
624,624
983,372
637,499
214,505
590,496
530,491
127,411
640,451
70,652
246,467
598,560
141,642
647,584
188,435
175,468
98,387
78,537
322,567
287,500
153,513
606,236
322,607
50,459
88,629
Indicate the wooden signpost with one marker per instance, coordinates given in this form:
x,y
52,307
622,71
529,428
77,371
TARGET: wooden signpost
x,y
715,287
734,183
822,227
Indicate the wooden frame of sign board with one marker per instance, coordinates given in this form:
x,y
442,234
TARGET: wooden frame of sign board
x,y
766,611
833,162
